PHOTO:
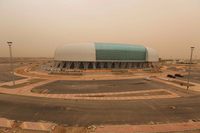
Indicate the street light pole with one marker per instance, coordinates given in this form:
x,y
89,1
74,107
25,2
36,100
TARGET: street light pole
x,y
11,62
189,70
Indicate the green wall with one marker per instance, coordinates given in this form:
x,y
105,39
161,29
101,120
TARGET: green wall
x,y
120,52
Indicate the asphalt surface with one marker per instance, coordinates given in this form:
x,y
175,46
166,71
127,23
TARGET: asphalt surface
x,y
96,86
99,112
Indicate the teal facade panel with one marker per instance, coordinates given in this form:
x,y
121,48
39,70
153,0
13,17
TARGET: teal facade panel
x,y
120,52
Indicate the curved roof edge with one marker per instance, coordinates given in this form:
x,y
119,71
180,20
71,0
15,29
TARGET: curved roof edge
x,y
152,55
92,52
76,52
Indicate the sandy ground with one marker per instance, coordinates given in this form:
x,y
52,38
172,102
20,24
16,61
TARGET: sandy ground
x,y
79,114
5,74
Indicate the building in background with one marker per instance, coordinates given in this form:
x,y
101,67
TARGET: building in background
x,y
104,56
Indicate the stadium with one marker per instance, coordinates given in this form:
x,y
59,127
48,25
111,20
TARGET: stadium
x,y
104,56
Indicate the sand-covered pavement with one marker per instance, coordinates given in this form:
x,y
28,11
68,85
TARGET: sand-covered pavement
x,y
146,102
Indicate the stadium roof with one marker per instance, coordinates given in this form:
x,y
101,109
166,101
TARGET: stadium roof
x,y
105,52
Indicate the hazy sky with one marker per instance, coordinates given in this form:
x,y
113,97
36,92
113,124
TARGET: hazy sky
x,y
37,27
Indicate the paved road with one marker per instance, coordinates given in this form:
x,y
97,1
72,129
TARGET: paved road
x,y
99,112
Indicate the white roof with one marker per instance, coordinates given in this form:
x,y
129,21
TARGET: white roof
x,y
152,55
76,52
87,52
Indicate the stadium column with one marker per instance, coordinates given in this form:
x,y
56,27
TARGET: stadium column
x,y
129,64
86,64
94,65
144,65
68,64
123,64
54,64
62,64
102,65
109,64
135,65
116,64
76,65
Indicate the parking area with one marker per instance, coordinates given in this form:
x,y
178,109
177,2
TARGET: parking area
x,y
105,88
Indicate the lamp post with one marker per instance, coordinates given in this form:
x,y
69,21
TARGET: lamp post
x,y
11,62
189,70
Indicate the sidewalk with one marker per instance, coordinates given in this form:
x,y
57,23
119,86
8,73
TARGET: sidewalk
x,y
175,127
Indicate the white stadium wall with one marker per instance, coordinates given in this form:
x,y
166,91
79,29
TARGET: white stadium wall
x,y
152,55
104,55
76,52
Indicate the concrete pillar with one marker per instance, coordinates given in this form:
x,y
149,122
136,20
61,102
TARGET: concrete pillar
x,y
94,65
129,65
154,65
140,64
68,64
85,64
109,64
54,64
57,64
123,65
116,64
76,65
61,65
144,65
134,65
151,66
102,65
64,64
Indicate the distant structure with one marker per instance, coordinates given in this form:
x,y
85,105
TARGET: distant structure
x,y
104,56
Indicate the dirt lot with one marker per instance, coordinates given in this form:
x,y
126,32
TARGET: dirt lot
x,y
58,129
29,82
195,74
183,68
5,74
23,60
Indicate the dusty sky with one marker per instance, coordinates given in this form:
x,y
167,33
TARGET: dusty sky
x,y
37,27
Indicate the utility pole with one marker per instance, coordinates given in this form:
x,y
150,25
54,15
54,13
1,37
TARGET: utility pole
x,y
189,70
11,62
